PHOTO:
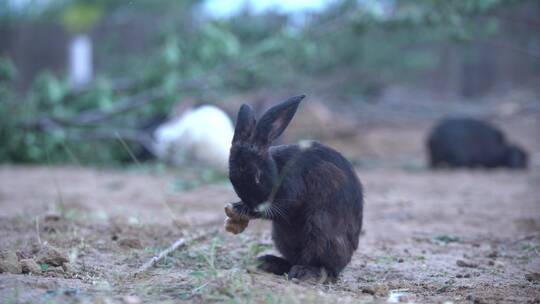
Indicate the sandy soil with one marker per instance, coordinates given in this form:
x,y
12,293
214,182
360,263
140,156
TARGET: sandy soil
x,y
459,236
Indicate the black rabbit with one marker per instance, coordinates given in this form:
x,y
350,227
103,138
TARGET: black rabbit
x,y
467,142
310,192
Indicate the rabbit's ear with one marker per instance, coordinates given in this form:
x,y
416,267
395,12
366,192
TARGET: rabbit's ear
x,y
275,120
245,124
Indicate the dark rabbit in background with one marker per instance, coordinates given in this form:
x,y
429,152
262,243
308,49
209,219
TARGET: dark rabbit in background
x,y
310,193
466,142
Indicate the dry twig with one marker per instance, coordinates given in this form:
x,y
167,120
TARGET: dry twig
x,y
37,231
181,242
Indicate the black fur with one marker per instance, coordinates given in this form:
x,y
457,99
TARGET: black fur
x,y
313,195
465,142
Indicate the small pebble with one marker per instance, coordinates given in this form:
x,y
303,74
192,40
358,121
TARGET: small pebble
x,y
499,264
9,262
533,277
51,256
52,216
30,266
131,242
131,299
475,300
462,263
68,268
368,290
72,292
493,254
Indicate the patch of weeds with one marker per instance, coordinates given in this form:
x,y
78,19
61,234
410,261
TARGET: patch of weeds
x,y
60,207
530,248
446,239
495,271
197,258
256,248
207,261
385,260
523,259
249,256
215,274
210,258
217,285
419,258
371,279
271,298
439,274
446,286
72,214
167,262
205,257
166,289
186,258
218,278
44,267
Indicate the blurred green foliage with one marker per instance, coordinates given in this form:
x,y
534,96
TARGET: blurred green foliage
x,y
81,17
243,52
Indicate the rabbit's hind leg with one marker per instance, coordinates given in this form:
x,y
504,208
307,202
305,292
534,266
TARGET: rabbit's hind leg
x,y
273,264
311,273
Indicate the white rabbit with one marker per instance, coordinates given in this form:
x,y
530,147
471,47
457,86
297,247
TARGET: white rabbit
x,y
203,134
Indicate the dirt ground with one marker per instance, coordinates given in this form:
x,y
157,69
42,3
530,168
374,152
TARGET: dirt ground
x,y
429,237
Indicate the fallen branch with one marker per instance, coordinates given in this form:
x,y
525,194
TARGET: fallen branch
x,y
47,125
126,105
175,246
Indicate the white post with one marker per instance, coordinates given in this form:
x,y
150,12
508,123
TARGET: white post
x,y
80,60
